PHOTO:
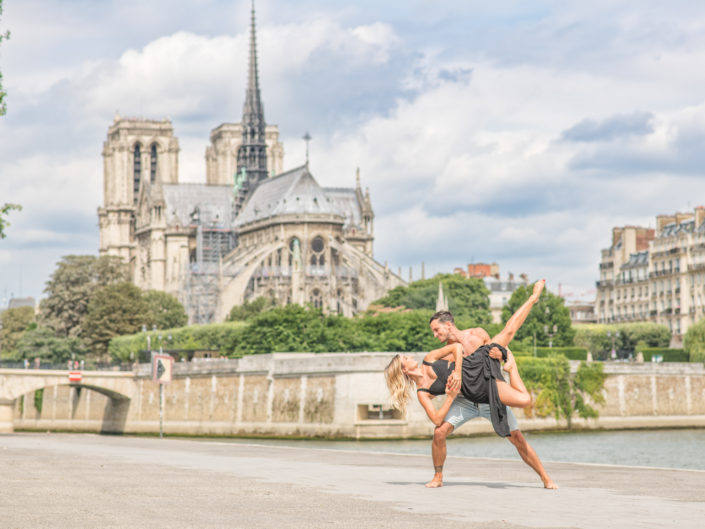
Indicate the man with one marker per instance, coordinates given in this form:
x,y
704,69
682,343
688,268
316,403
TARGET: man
x,y
462,410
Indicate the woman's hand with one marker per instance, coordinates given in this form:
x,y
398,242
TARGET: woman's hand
x,y
452,392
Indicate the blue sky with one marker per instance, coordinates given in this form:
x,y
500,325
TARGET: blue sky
x,y
515,132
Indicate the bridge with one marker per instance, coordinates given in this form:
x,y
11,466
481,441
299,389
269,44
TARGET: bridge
x,y
118,387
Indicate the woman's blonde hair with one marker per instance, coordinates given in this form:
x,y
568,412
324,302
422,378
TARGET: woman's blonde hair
x,y
398,383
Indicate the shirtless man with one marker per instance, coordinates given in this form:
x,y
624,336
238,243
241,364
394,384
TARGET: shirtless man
x,y
462,410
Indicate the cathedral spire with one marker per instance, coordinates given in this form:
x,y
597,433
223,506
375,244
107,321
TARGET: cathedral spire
x,y
252,154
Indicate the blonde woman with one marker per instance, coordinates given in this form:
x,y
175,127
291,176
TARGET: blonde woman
x,y
477,376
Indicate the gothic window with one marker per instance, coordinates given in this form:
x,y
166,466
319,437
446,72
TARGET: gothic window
x,y
137,171
153,164
317,255
316,298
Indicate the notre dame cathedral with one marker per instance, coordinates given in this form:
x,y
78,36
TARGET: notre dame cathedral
x,y
251,230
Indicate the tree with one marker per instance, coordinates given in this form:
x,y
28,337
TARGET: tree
x,y
3,108
15,323
694,341
250,309
6,208
43,343
468,298
114,310
166,312
71,287
548,312
558,392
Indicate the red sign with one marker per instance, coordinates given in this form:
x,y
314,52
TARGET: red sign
x,y
75,376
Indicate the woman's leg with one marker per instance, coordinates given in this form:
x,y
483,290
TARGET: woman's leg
x,y
516,394
517,319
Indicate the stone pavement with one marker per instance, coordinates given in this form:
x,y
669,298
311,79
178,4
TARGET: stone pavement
x,y
91,481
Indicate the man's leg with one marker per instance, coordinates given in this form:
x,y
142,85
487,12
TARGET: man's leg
x,y
530,457
438,453
461,411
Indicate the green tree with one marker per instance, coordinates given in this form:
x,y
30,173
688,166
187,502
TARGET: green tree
x,y
550,312
468,298
558,392
3,108
694,341
43,343
249,309
15,322
114,310
71,287
6,208
166,312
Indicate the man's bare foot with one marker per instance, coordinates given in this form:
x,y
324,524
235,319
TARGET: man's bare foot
x,y
435,483
510,363
547,484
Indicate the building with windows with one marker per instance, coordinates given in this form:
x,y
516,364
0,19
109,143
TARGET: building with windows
x,y
655,275
250,230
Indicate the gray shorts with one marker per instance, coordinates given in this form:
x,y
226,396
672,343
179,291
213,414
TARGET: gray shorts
x,y
462,410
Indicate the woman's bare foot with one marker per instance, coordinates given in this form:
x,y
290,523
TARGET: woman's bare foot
x,y
510,363
547,484
435,483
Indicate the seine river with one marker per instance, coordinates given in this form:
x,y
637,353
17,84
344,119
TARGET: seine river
x,y
681,448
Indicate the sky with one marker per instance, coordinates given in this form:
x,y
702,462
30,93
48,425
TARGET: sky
x,y
515,132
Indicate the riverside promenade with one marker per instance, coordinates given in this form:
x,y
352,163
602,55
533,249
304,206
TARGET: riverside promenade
x,y
88,481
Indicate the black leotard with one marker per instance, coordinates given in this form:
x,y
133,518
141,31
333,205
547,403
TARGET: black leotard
x,y
479,382
443,369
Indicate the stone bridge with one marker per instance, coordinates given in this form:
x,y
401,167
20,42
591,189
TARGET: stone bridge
x,y
118,387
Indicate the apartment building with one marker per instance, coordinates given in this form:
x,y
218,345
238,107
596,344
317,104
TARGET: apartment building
x,y
655,275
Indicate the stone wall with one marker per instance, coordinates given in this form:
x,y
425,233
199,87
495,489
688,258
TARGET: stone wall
x,y
332,395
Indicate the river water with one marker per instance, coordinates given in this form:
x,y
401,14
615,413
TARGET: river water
x,y
679,448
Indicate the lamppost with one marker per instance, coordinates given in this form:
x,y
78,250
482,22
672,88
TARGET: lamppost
x,y
550,334
614,335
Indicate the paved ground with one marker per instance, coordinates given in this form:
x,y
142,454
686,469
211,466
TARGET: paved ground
x,y
77,481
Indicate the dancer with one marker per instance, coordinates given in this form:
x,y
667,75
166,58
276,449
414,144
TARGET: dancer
x,y
402,371
462,410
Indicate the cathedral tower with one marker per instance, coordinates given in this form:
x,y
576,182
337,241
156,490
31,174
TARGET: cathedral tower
x,y
136,151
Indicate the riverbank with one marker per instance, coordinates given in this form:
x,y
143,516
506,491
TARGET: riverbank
x,y
86,481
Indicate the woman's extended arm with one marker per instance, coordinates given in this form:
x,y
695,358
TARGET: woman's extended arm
x,y
454,348
436,415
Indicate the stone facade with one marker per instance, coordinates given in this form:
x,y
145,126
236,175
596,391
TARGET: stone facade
x,y
655,275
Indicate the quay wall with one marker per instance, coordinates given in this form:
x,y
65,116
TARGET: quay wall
x,y
332,395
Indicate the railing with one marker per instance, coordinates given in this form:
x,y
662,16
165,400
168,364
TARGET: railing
x,y
64,366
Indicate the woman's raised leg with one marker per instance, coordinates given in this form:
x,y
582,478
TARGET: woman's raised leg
x,y
516,394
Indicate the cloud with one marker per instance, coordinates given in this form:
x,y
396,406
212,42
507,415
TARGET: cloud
x,y
635,124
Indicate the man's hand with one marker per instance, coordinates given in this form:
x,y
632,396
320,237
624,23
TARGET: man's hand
x,y
496,354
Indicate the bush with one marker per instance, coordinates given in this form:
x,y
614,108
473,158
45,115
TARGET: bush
x,y
669,355
631,337
559,393
571,353
694,342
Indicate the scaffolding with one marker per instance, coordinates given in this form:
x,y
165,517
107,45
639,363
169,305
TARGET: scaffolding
x,y
201,281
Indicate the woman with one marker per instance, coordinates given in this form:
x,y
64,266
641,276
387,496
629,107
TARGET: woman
x,y
480,377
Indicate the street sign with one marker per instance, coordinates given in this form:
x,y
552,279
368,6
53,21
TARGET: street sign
x,y
75,376
162,367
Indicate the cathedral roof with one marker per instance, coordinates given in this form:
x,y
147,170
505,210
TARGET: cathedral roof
x,y
292,192
214,203
344,199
